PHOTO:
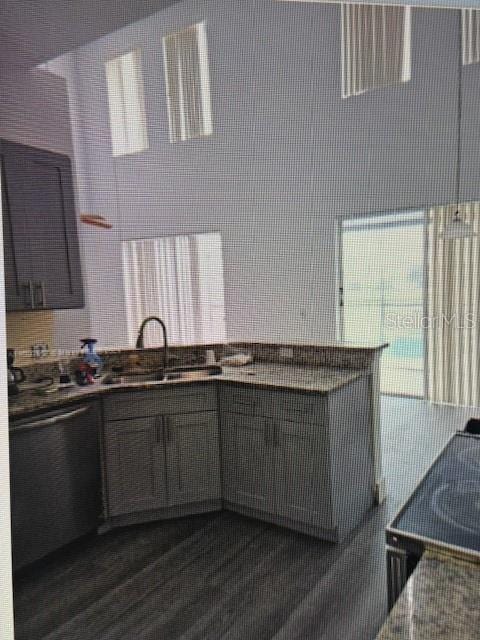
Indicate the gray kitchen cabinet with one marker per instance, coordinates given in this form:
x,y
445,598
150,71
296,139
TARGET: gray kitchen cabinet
x,y
192,455
135,465
163,456
276,467
42,258
300,460
302,486
248,462
16,282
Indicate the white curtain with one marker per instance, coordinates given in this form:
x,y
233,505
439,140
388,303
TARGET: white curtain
x,y
453,329
179,279
470,36
187,82
375,47
128,122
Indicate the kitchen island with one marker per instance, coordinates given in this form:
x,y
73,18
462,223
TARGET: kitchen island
x,y
439,601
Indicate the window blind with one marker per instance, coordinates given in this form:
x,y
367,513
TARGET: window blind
x,y
126,104
179,279
187,81
470,36
376,42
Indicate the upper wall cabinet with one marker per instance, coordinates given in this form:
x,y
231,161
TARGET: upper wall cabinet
x,y
42,259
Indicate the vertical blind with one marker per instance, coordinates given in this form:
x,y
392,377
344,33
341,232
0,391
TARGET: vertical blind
x,y
375,47
126,104
179,279
187,81
470,36
453,329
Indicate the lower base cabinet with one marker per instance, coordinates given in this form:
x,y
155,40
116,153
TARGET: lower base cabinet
x,y
302,480
300,460
247,462
135,462
276,467
304,461
164,460
193,458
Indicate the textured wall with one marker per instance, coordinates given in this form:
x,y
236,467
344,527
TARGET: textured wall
x,y
288,156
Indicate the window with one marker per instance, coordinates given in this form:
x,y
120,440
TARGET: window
x,y
179,279
383,293
126,102
375,47
470,36
187,82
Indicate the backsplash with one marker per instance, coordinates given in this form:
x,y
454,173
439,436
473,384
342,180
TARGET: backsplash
x,y
126,358
28,328
338,356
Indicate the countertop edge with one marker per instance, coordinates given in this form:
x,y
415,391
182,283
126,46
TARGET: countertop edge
x,y
98,390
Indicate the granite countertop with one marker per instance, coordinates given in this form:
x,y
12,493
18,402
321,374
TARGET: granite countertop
x,y
278,376
284,376
439,601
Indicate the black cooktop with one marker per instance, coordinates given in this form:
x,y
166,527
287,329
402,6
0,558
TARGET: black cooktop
x,y
445,507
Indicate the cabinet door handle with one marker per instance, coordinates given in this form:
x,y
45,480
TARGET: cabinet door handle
x,y
276,433
28,286
44,296
159,429
168,429
43,299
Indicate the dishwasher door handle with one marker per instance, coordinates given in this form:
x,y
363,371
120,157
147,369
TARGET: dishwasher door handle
x,y
45,422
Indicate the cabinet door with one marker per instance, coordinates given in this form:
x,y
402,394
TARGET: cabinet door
x,y
248,462
193,457
302,478
16,255
135,465
43,223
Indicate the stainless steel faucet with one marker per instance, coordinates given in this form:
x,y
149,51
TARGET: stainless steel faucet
x,y
139,344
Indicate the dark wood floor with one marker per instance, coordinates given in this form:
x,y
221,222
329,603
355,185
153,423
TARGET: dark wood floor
x,y
225,576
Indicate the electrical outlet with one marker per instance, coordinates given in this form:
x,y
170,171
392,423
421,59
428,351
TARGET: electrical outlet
x,y
285,352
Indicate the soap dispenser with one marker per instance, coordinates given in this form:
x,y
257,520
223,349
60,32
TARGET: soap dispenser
x,y
91,357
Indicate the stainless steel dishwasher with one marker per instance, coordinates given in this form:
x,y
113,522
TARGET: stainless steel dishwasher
x,y
54,480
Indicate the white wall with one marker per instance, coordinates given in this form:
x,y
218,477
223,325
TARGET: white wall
x,y
287,157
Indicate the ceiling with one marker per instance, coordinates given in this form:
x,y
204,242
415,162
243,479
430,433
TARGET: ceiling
x,y
34,31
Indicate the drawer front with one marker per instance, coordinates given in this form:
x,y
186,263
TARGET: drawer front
x,y
281,404
167,401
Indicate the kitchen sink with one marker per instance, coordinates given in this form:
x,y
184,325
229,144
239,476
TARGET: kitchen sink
x,y
154,377
130,377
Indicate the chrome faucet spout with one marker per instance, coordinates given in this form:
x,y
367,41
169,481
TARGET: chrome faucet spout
x,y
140,343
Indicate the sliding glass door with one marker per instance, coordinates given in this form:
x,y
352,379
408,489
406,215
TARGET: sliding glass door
x,y
382,293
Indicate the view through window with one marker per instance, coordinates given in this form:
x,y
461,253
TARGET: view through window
x,y
382,270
